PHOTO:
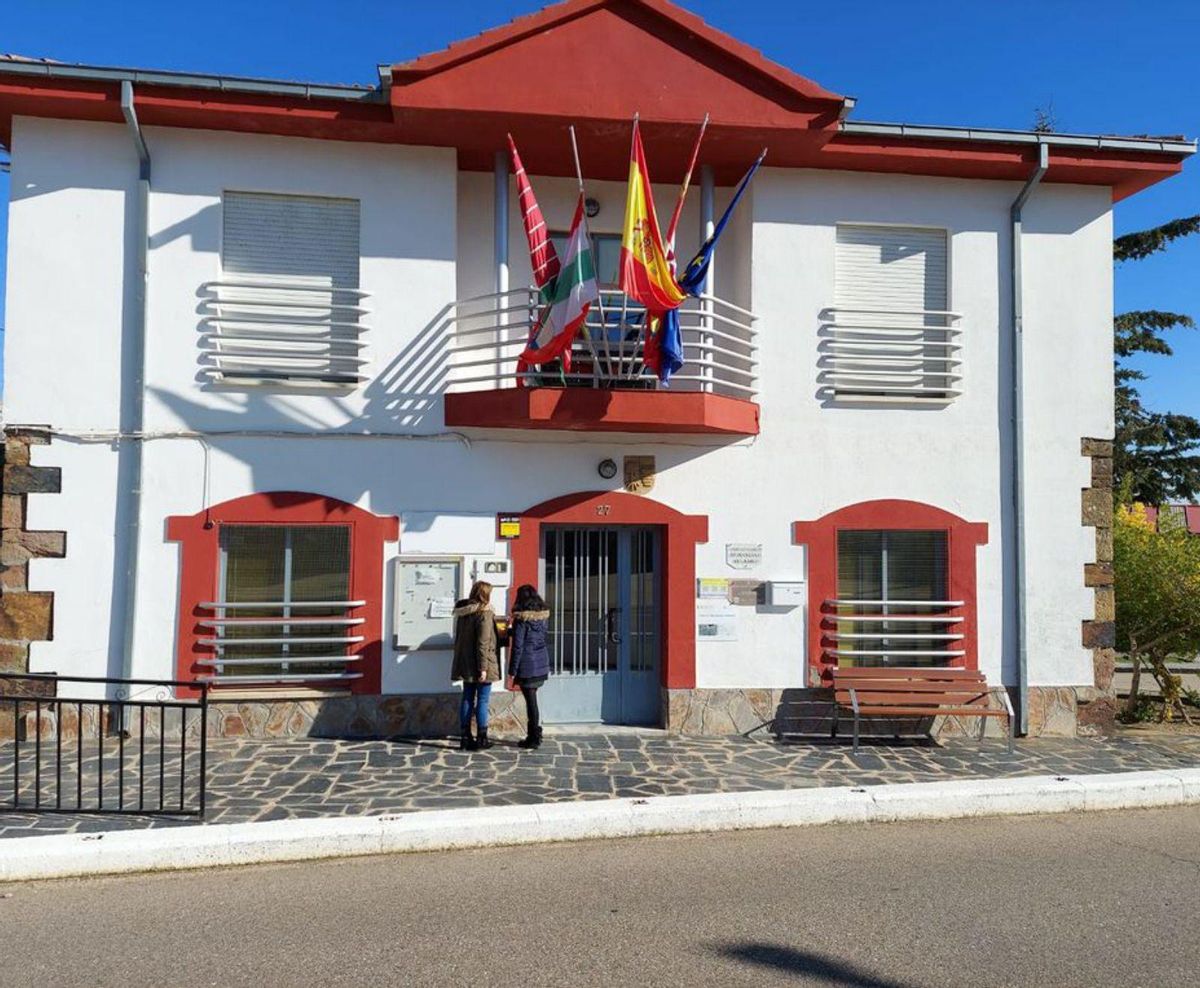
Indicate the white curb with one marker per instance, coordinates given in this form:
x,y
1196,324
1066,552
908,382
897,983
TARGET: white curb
x,y
163,849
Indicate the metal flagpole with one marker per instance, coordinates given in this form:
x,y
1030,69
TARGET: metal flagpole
x,y
586,335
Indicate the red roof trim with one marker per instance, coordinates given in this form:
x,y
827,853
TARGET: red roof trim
x,y
682,20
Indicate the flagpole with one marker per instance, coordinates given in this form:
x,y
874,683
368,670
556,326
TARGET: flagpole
x,y
587,336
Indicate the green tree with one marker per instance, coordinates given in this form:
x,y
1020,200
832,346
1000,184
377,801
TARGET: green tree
x,y
1157,575
1156,455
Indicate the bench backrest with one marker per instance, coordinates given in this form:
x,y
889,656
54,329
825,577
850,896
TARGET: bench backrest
x,y
925,687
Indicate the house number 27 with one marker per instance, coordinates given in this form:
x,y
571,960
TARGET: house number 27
x,y
604,509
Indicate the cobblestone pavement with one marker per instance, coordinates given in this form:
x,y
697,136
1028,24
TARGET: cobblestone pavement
x,y
273,780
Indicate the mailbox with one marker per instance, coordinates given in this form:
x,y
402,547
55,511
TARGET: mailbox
x,y
790,594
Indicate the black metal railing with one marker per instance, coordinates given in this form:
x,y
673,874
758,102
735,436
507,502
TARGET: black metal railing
x,y
134,746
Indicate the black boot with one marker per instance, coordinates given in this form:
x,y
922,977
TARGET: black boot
x,y
537,738
465,741
482,744
532,738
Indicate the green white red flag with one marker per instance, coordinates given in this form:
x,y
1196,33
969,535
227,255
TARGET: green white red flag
x,y
565,301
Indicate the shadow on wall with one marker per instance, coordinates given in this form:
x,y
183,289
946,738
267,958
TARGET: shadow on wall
x,y
812,967
405,393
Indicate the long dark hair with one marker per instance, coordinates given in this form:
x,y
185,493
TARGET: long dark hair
x,y
528,599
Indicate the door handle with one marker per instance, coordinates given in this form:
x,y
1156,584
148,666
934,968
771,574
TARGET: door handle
x,y
610,632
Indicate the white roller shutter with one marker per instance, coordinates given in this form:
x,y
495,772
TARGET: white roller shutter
x,y
304,239
889,335
891,267
287,309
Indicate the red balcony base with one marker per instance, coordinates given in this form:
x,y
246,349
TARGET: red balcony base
x,y
599,410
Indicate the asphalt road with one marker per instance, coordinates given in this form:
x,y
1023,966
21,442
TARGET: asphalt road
x,y
1088,900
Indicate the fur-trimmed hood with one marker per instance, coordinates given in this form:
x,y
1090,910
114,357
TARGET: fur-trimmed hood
x,y
531,615
465,607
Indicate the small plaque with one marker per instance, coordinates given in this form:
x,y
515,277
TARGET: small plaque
x,y
746,593
709,589
743,555
508,526
639,474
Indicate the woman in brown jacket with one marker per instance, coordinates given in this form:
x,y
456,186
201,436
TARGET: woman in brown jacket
x,y
475,662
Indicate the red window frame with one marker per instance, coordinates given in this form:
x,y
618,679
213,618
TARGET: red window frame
x,y
199,579
963,538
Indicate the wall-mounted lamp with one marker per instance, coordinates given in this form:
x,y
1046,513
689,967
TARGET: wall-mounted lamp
x,y
591,206
607,469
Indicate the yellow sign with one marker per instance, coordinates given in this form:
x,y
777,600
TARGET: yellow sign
x,y
510,527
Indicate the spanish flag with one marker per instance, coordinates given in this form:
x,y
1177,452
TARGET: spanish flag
x,y
646,275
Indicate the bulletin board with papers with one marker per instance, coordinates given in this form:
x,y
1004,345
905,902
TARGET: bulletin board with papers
x,y
426,589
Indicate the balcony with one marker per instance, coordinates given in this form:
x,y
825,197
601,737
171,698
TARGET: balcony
x,y
608,388
282,334
892,632
889,356
273,643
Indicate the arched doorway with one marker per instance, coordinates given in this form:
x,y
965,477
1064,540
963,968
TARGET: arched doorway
x,y
618,572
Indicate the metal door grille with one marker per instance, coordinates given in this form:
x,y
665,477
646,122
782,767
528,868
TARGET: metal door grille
x,y
582,592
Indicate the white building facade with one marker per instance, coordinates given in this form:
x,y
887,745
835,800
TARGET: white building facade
x,y
264,424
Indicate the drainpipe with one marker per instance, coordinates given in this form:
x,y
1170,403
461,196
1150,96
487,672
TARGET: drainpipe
x,y
500,225
134,410
1018,423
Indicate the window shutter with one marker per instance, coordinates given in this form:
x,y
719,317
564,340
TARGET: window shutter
x,y
891,267
303,239
890,336
286,311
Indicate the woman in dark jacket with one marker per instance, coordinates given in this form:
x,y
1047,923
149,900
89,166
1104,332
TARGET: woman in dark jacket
x,y
529,656
476,662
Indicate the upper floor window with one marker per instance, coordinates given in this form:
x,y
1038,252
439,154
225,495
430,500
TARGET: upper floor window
x,y
606,251
890,335
287,309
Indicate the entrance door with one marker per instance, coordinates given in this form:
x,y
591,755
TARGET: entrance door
x,y
602,586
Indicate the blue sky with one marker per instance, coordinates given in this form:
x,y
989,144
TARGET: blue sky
x,y
1107,66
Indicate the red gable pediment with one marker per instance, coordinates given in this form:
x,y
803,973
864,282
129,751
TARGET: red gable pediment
x,y
595,63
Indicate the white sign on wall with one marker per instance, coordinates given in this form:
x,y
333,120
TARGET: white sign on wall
x,y
743,555
716,621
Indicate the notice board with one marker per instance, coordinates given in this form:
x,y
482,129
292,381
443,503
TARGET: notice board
x,y
426,589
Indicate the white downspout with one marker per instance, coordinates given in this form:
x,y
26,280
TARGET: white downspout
x,y
1018,421
132,495
500,224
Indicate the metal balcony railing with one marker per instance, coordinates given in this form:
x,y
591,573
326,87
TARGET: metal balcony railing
x,y
274,642
893,632
890,354
282,333
489,333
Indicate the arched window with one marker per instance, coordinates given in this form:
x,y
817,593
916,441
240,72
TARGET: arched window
x,y
891,583
279,589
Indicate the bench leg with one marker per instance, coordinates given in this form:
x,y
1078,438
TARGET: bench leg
x,y
856,732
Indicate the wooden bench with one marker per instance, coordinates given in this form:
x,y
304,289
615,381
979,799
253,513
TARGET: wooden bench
x,y
916,692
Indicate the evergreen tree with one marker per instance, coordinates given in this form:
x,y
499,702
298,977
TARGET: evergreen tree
x,y
1156,455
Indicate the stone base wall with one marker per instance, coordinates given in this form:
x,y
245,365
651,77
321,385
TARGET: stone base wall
x,y
360,717
25,616
1097,708
795,713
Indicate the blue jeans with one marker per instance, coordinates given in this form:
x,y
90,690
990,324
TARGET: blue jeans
x,y
475,697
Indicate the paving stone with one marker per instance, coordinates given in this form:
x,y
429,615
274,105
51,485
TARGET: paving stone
x,y
280,779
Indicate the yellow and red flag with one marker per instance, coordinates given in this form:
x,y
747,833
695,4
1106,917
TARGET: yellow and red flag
x,y
646,275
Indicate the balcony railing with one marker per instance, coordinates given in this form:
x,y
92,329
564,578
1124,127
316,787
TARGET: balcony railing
x,y
893,632
889,355
490,332
282,333
273,642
